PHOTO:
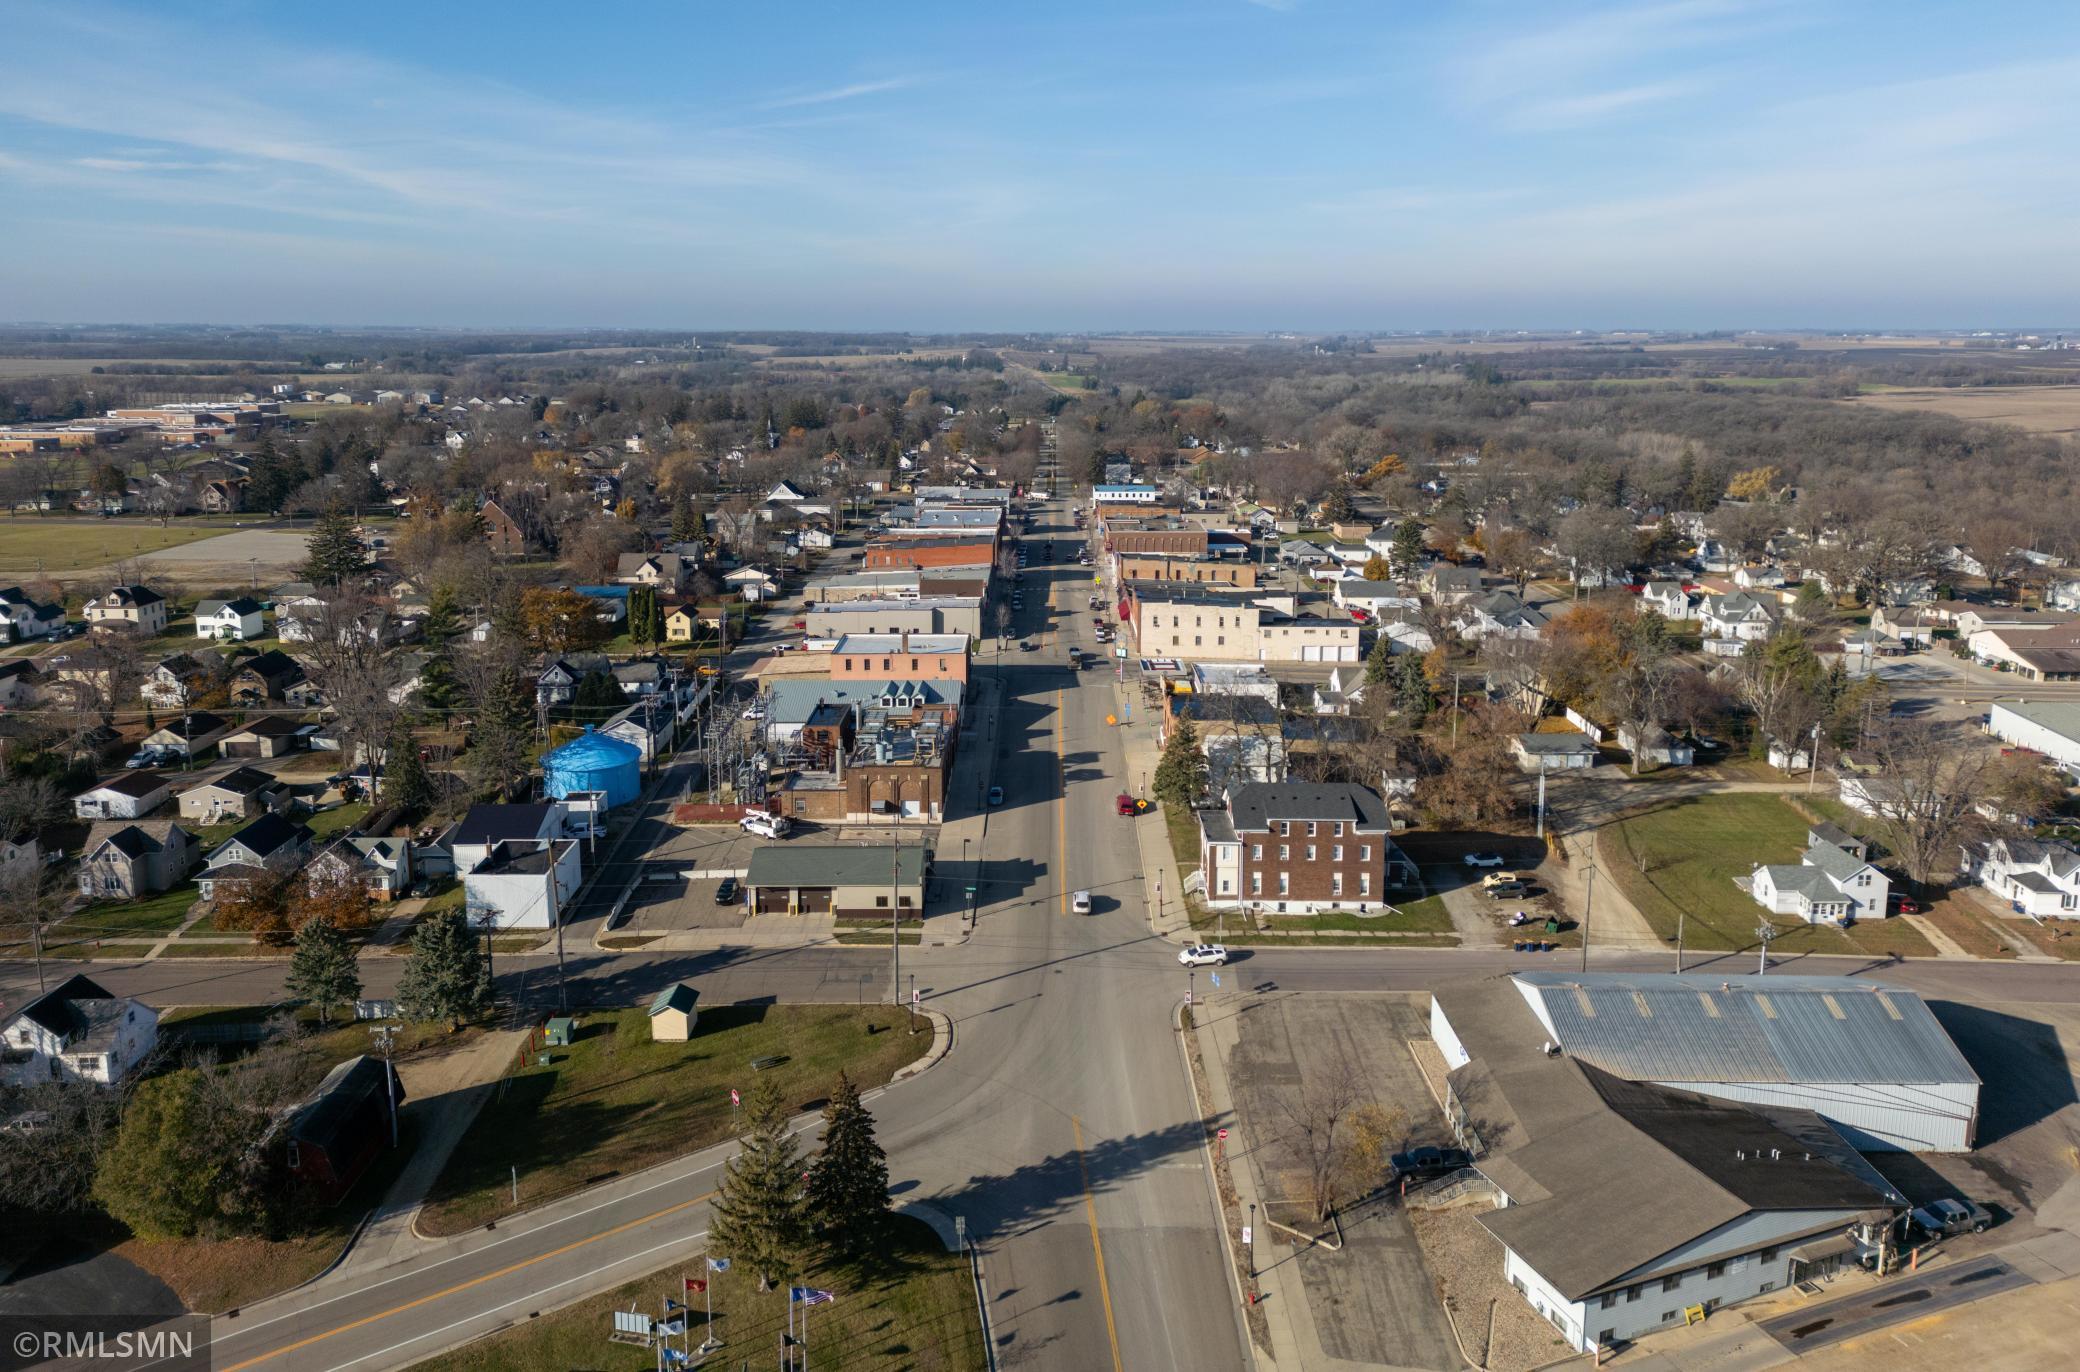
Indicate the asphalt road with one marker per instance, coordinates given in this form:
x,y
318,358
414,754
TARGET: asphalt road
x,y
1060,1127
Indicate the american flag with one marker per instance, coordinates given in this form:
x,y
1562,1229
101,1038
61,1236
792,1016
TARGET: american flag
x,y
809,1295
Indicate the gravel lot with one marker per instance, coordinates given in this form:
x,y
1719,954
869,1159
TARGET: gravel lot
x,y
1467,1265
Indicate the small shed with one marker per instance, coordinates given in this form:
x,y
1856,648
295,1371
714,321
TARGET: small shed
x,y
674,1013
560,1032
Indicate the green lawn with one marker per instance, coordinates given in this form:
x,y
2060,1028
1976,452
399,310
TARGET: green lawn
x,y
68,545
908,1308
158,914
1425,916
1696,847
330,824
615,1102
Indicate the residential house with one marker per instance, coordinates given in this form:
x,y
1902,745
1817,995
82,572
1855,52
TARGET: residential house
x,y
343,1127
647,676
1294,848
1500,614
1561,752
470,840
382,866
524,883
27,619
1737,617
17,682
1374,596
266,737
240,619
1338,696
647,724
265,677
1298,552
682,624
1828,885
752,584
558,682
176,681
137,608
1794,756
241,793
1449,584
77,1032
124,860
665,572
502,531
188,733
1667,599
271,843
2032,877
132,795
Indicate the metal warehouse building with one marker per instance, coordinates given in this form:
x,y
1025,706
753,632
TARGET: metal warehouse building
x,y
1868,1058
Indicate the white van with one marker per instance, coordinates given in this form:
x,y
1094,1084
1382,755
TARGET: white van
x,y
765,825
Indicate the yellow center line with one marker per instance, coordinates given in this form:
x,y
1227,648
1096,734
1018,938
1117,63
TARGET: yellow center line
x,y
1090,1209
464,1286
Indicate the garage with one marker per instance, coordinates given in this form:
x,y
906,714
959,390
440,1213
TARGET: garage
x,y
836,879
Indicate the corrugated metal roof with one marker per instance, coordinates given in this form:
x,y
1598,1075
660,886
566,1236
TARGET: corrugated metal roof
x,y
1659,1027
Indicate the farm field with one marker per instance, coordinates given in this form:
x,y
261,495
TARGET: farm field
x,y
2039,409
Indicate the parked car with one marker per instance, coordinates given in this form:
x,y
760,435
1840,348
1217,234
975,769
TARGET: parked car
x,y
1080,903
1429,1162
143,757
1203,955
1942,1218
1498,878
765,825
1484,860
727,893
755,712
1904,905
996,795
1509,890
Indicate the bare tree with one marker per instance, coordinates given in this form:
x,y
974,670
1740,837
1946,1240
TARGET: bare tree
x,y
350,660
1317,1113
1925,792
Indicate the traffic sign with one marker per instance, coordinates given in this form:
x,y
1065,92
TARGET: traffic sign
x,y
1245,1236
1216,981
1221,1134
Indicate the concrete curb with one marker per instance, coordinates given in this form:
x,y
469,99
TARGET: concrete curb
x,y
1257,1357
933,1218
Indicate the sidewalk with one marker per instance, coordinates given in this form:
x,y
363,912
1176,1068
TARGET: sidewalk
x,y
1167,918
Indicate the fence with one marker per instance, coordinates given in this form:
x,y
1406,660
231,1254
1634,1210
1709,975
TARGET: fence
x,y
1460,1187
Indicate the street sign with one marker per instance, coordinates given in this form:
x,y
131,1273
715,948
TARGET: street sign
x,y
734,1099
1216,981
1245,1236
968,890
1221,1134
913,998
1188,997
1119,652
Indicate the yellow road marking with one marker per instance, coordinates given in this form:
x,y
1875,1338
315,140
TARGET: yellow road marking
x,y
1090,1209
464,1286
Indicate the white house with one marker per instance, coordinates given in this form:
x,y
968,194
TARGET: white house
x,y
77,1032
1656,745
1737,616
484,827
1500,615
241,619
133,795
1793,756
1667,599
522,884
2029,876
1553,752
1374,596
1828,885
752,583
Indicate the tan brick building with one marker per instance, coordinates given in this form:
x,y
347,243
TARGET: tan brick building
x,y
1205,571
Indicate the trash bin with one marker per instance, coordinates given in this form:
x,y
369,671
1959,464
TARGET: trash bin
x,y
1552,926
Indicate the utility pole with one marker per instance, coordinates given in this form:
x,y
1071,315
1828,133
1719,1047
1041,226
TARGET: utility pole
x,y
1541,796
386,1036
1680,912
1813,761
1455,717
895,903
1767,933
1588,905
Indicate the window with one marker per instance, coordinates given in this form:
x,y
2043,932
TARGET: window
x,y
1766,1254
1714,1270
1364,852
1766,1286
1671,1283
1310,852
1285,852
1668,1317
1610,1299
1364,883
1310,828
1256,883
1606,1336
1285,829
881,901
1219,640
1256,852
1285,884
1336,883
1632,1293
1339,828
1336,852
1195,640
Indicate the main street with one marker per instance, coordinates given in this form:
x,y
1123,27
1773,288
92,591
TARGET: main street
x,y
1060,1127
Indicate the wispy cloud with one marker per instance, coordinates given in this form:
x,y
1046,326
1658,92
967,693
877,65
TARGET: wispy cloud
x,y
837,93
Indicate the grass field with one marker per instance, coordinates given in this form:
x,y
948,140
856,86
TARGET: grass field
x,y
70,545
615,1102
910,1308
2039,409
1697,847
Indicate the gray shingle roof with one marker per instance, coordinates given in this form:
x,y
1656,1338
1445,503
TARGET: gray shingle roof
x,y
1256,806
1746,1028
804,864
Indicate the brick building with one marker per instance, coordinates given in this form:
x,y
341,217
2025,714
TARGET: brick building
x,y
1208,571
910,554
1290,848
900,657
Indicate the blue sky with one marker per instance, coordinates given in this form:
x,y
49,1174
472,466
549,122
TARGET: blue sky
x,y
1198,164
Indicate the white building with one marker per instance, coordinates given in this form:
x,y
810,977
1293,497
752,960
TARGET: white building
x,y
1124,495
2052,727
522,884
484,827
132,795
77,1032
1827,885
2030,877
240,619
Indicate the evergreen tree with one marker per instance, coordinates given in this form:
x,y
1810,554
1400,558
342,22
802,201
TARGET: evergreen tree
x,y
1337,507
445,976
336,554
439,692
322,970
406,782
645,617
501,733
1408,546
757,1218
847,1190
163,1174
683,527
1411,688
1181,772
1379,663
596,699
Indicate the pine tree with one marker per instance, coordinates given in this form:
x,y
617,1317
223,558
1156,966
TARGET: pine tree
x,y
1408,546
847,1191
596,699
1181,772
322,970
406,782
438,689
336,554
445,976
683,528
645,620
1411,688
1379,663
757,1218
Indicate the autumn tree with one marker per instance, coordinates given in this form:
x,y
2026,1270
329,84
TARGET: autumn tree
x,y
336,899
1925,793
561,621
1755,483
258,903
1514,553
1377,569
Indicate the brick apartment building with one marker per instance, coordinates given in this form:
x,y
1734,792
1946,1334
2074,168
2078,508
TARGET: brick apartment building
x,y
1207,571
1177,540
900,657
1290,848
